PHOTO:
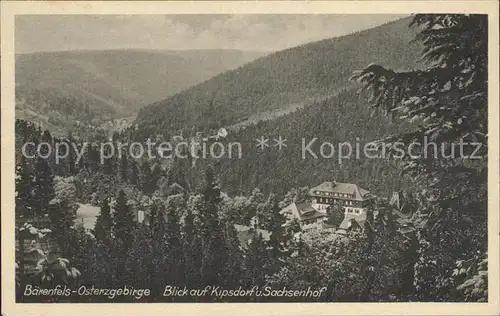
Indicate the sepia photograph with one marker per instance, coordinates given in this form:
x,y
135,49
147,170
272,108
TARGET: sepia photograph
x,y
259,157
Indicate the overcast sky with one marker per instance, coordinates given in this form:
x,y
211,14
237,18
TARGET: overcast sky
x,y
246,32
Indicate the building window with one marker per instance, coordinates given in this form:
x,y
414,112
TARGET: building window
x,y
140,216
357,211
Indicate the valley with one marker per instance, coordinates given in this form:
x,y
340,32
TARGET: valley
x,y
55,89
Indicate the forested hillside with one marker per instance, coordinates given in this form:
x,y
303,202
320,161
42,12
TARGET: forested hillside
x,y
55,89
342,118
280,80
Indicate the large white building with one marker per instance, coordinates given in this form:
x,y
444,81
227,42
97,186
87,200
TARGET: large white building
x,y
353,200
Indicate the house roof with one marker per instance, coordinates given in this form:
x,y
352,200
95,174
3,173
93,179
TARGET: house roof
x,y
305,209
358,193
316,214
351,221
302,211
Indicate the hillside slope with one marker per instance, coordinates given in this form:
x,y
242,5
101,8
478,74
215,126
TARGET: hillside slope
x,y
81,85
343,118
280,80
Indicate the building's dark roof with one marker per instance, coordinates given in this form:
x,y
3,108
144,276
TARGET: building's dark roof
x,y
316,214
302,211
355,192
305,209
351,223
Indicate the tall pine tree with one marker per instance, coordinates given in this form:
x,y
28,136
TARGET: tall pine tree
x,y
123,229
104,224
234,267
159,248
43,187
146,176
174,261
277,239
134,173
193,251
256,261
449,99
124,167
214,247
24,194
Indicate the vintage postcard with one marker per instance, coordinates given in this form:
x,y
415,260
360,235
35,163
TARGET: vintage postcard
x,y
260,158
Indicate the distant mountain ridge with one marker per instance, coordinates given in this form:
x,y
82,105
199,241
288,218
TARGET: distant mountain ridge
x,y
110,83
280,80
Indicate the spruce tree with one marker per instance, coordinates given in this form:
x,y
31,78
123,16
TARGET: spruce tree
x,y
124,167
175,173
43,187
156,174
71,154
24,195
104,224
146,176
193,251
159,248
82,163
407,271
449,98
93,159
102,268
277,239
134,173
234,267
174,261
62,218
123,230
109,163
256,261
335,215
123,221
214,248
139,259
